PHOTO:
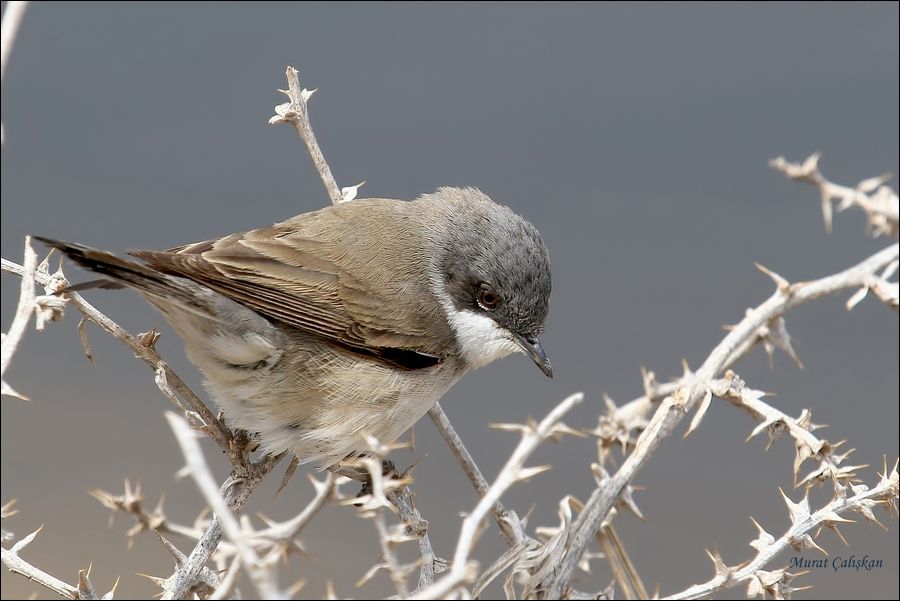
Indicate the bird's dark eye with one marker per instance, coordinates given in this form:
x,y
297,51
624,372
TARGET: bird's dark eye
x,y
488,298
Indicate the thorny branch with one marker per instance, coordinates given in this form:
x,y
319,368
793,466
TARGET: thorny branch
x,y
777,583
695,387
509,523
12,19
296,113
372,506
261,573
877,200
23,313
236,492
13,560
880,203
543,565
773,422
513,471
417,527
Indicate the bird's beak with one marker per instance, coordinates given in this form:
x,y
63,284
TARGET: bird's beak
x,y
532,346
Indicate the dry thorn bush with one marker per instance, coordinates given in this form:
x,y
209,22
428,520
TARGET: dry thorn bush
x,y
540,562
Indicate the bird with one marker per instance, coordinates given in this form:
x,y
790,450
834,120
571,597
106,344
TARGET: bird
x,y
347,322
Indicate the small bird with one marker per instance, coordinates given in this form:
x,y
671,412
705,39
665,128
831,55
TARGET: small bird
x,y
348,321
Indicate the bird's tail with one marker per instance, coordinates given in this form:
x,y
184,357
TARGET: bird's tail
x,y
118,273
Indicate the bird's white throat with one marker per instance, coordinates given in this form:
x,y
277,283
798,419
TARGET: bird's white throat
x,y
480,338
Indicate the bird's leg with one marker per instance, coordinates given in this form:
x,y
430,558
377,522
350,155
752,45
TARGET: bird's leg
x,y
240,446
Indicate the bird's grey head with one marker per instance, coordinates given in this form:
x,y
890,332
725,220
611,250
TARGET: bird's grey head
x,y
492,274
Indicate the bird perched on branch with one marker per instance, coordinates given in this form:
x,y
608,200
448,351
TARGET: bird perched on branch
x,y
348,321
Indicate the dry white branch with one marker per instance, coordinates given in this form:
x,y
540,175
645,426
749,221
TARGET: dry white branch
x,y
206,581
261,573
774,421
12,19
673,408
509,523
878,201
880,285
296,112
274,542
131,501
7,511
777,583
372,507
236,492
513,471
279,538
223,591
621,425
23,313
392,493
536,562
15,564
623,568
417,527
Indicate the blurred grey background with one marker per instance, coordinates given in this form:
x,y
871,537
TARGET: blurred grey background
x,y
634,136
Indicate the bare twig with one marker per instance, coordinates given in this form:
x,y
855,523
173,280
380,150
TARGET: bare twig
x,y
206,580
621,425
774,421
14,562
276,541
12,19
777,583
509,523
296,113
623,569
23,312
696,387
371,506
261,573
416,526
513,471
236,492
7,511
131,501
279,537
228,581
387,538
878,201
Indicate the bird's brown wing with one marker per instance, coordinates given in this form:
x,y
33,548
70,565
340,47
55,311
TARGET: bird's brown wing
x,y
333,272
